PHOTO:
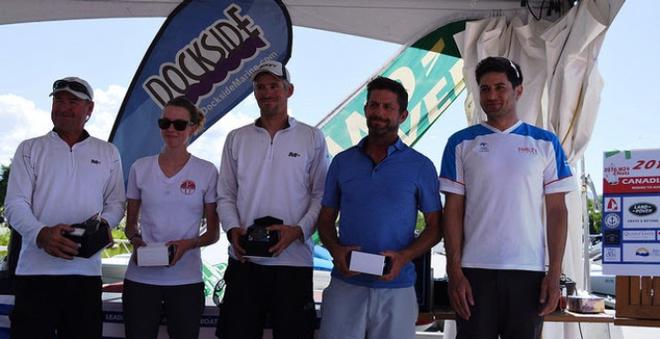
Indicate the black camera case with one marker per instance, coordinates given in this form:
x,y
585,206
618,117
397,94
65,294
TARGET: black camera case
x,y
258,239
95,237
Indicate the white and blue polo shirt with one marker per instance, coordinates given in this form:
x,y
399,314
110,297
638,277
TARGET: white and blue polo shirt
x,y
504,176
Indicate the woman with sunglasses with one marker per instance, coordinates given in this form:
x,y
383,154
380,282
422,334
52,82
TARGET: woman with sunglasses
x,y
168,194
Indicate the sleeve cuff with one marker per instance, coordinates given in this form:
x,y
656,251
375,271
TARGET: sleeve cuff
x,y
35,234
307,230
566,185
451,186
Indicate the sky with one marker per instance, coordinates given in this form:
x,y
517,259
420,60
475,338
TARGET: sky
x,y
325,69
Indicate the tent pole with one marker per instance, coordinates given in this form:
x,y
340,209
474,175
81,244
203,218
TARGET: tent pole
x,y
586,239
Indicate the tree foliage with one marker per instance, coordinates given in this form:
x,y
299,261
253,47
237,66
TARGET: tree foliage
x,y
4,179
595,217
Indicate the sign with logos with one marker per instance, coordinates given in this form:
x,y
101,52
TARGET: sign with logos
x,y
631,219
206,51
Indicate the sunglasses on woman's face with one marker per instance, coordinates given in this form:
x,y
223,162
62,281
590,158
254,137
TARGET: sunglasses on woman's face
x,y
179,124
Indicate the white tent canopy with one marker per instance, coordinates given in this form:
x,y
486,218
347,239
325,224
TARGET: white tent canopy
x,y
388,20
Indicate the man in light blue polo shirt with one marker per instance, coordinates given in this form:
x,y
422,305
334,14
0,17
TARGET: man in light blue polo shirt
x,y
378,186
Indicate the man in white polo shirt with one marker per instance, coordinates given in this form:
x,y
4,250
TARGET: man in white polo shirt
x,y
56,180
273,167
496,177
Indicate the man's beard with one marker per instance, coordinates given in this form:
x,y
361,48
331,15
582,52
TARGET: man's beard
x,y
386,128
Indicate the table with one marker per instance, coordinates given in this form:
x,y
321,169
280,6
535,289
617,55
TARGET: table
x,y
566,316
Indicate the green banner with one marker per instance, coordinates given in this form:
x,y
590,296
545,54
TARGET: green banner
x,y
431,72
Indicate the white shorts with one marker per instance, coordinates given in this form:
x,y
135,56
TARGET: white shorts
x,y
356,312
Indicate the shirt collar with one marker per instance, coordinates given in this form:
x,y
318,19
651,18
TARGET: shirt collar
x,y
84,135
398,145
506,131
290,123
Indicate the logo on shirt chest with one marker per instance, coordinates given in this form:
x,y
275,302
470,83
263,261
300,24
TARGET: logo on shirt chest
x,y
188,187
528,150
294,154
483,147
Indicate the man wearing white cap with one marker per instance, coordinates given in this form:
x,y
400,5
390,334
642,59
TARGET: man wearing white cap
x,y
57,180
273,167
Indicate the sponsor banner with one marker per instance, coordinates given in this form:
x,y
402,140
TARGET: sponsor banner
x,y
611,237
641,212
611,254
431,72
611,220
636,171
612,204
635,185
639,235
631,220
206,51
641,252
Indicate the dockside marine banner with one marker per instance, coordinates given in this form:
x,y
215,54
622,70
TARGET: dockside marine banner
x,y
206,50
631,220
431,71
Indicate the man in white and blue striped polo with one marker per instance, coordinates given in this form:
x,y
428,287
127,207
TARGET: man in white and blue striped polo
x,y
496,177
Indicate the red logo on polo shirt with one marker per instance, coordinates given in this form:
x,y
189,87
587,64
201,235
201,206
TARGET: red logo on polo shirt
x,y
188,187
527,150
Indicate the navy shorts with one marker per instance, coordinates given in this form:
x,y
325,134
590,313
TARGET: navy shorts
x,y
506,304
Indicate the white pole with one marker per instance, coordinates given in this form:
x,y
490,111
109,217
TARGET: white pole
x,y
586,239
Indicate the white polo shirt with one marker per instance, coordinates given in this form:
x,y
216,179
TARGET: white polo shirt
x,y
171,208
51,183
283,178
504,176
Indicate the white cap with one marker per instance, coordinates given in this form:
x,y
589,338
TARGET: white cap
x,y
76,86
273,67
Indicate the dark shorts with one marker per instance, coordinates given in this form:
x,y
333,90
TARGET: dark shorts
x,y
255,291
506,304
144,305
68,305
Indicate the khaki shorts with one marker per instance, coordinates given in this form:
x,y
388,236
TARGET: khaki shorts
x,y
352,311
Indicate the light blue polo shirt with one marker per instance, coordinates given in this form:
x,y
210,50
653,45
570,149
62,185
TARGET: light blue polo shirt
x,y
378,203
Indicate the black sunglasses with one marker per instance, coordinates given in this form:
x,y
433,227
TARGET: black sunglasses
x,y
76,86
179,124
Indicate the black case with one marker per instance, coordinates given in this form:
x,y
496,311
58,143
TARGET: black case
x,y
258,240
94,238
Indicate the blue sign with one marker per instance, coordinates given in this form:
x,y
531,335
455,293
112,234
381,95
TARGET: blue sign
x,y
206,51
